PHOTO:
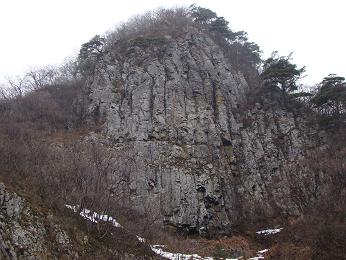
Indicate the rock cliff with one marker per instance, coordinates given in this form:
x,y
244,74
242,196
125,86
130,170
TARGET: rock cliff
x,y
200,159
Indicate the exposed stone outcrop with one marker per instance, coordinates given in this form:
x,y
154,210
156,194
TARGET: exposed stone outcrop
x,y
197,160
27,234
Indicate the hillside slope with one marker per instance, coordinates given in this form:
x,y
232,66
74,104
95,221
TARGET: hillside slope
x,y
161,140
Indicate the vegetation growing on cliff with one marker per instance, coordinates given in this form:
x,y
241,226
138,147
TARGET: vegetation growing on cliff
x,y
242,52
279,72
330,97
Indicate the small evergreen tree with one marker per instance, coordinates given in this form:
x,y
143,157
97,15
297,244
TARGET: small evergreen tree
x,y
279,72
90,53
245,54
215,23
202,15
331,95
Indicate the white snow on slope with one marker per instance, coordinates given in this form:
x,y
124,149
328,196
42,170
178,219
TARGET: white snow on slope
x,y
159,249
259,255
267,232
140,239
93,216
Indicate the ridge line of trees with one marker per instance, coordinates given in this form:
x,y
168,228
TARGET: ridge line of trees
x,y
276,72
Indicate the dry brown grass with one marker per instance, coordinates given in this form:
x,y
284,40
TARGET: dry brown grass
x,y
234,246
68,137
290,251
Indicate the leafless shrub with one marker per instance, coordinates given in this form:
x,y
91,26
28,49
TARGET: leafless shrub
x,y
160,22
166,23
17,87
41,77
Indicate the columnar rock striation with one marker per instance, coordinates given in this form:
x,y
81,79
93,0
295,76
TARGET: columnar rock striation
x,y
200,160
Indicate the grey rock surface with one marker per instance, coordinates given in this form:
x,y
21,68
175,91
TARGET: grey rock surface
x,y
25,234
197,160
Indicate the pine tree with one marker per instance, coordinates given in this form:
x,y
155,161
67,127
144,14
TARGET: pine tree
x,y
279,72
90,53
331,95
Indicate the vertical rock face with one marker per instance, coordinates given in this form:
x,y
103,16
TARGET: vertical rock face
x,y
173,107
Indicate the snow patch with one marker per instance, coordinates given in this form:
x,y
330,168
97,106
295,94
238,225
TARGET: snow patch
x,y
158,249
140,239
93,216
263,251
267,232
259,255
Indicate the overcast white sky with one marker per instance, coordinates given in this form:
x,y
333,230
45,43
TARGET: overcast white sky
x,y
39,32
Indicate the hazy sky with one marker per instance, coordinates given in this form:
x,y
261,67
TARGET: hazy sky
x,y
39,32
